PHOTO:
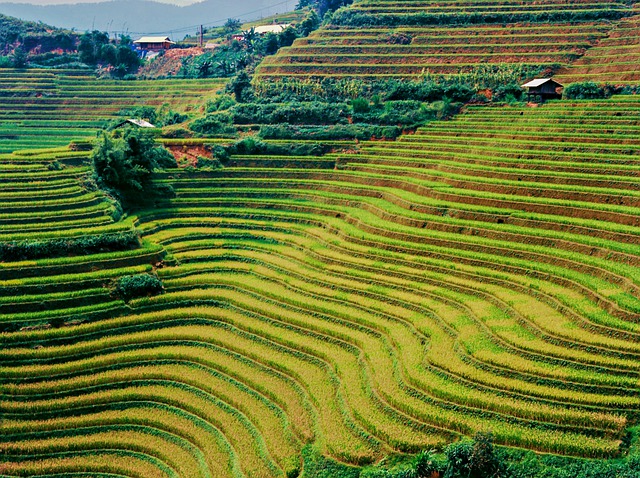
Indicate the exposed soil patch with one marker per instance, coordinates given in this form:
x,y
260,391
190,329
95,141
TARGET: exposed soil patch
x,y
187,155
170,63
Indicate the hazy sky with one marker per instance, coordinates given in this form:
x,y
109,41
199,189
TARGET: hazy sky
x,y
60,2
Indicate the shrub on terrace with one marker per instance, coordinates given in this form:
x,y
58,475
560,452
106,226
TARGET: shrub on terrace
x,y
124,164
19,58
587,90
213,124
140,285
31,249
361,132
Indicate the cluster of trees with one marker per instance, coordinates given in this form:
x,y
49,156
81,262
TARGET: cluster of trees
x,y
590,90
35,44
360,118
323,6
22,42
125,163
476,458
428,88
244,54
346,109
95,48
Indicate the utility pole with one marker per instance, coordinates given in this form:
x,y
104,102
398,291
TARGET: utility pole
x,y
201,36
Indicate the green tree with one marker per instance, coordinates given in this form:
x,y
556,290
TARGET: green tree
x,y
127,60
309,24
109,54
241,87
269,44
472,458
19,58
124,164
287,36
232,25
90,46
250,37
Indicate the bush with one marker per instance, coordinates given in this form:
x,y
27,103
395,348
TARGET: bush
x,y
396,38
426,464
173,117
141,285
219,103
220,153
314,112
253,146
147,113
176,133
459,459
588,90
124,166
213,123
211,163
510,92
361,132
472,458
360,105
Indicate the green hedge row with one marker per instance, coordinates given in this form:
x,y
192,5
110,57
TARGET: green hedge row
x,y
346,17
29,249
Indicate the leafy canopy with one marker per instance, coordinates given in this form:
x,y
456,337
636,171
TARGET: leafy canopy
x,y
124,165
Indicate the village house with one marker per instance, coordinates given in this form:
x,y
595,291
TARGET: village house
x,y
543,89
263,30
154,43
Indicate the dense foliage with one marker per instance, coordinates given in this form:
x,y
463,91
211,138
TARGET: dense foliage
x,y
163,116
39,45
139,285
89,244
32,35
427,88
23,43
124,165
585,91
476,458
237,55
323,6
95,48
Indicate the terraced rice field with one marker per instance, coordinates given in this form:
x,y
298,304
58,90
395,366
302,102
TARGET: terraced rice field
x,y
379,38
44,109
481,274
614,59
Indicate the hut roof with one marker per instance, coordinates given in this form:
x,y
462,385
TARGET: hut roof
x,y
153,40
270,29
137,122
539,82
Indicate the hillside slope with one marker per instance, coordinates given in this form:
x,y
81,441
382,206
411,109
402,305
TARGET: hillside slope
x,y
390,39
614,59
450,282
47,108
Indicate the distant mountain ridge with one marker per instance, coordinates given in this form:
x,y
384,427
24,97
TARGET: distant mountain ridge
x,y
144,16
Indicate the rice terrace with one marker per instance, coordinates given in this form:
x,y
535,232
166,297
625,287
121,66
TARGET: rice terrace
x,y
352,240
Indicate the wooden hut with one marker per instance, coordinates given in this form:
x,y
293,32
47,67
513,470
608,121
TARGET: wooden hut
x,y
543,89
140,123
154,43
